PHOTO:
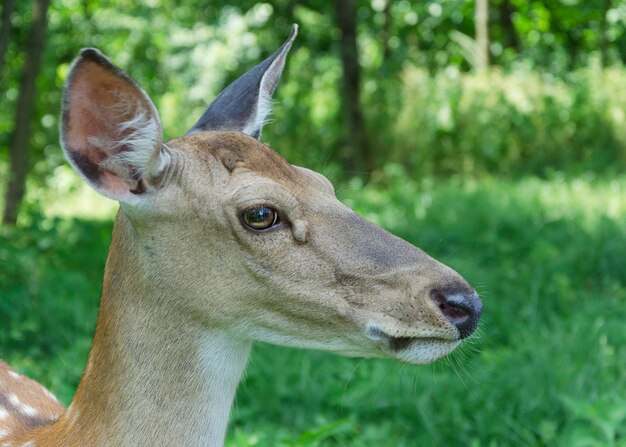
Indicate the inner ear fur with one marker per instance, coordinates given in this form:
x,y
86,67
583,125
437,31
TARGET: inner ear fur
x,y
111,132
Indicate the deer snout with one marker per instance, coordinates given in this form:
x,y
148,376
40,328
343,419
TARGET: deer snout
x,y
460,307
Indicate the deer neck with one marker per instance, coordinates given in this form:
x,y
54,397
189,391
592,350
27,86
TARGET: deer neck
x,y
154,376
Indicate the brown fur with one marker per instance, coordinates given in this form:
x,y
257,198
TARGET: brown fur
x,y
236,150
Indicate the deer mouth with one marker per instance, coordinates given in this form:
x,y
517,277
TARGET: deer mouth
x,y
412,349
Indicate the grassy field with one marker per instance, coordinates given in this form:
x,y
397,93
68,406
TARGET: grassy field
x,y
547,368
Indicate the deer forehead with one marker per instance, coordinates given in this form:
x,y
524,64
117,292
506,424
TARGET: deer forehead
x,y
236,149
238,154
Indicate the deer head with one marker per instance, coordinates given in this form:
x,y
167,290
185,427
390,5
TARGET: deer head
x,y
231,233
220,241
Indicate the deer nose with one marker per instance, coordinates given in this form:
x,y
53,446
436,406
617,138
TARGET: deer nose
x,y
460,308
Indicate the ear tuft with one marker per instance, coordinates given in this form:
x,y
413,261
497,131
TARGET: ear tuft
x,y
111,131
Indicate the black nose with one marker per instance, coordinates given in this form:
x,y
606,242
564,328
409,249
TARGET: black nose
x,y
460,308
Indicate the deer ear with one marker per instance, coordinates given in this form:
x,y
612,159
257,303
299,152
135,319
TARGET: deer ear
x,y
110,131
245,104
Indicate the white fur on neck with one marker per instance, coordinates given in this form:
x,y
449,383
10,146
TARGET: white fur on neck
x,y
225,360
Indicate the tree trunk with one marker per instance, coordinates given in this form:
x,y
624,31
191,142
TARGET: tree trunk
x,y
20,138
386,31
508,28
604,38
5,29
481,22
357,153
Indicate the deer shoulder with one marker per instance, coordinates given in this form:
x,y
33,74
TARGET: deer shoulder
x,y
24,404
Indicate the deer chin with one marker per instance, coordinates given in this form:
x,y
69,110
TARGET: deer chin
x,y
416,349
420,351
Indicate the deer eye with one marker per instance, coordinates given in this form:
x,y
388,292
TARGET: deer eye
x,y
260,217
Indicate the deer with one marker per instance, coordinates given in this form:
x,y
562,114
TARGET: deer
x,y
219,242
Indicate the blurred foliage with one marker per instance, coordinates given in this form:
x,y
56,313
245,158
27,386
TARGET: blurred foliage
x,y
49,293
510,123
421,98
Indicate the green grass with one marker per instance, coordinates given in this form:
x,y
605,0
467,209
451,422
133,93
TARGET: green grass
x,y
548,367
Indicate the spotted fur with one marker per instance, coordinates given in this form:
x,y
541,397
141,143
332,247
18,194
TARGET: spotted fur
x,y
24,404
